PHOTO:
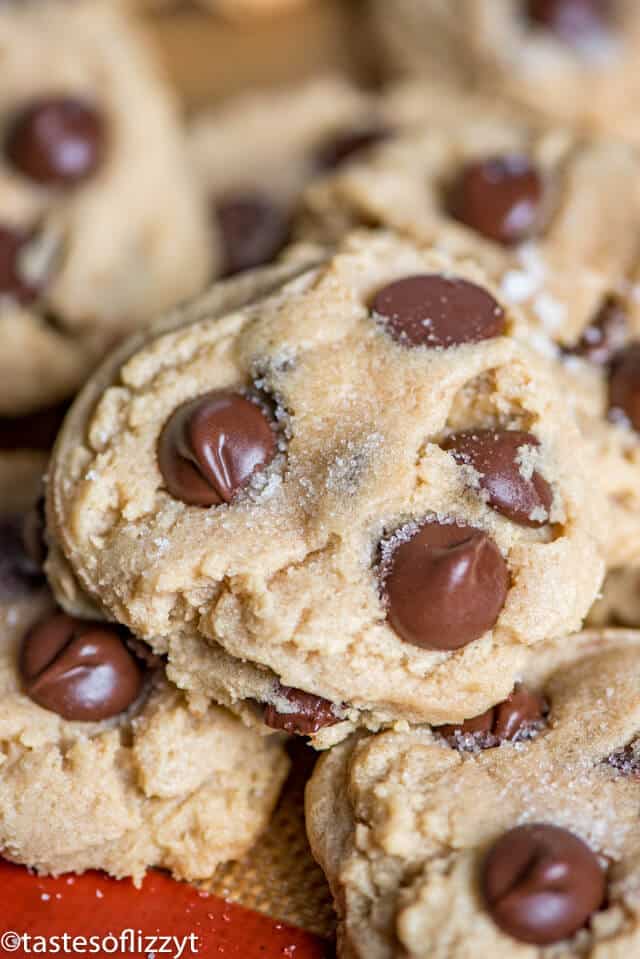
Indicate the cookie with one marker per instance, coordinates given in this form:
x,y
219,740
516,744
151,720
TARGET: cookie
x,y
257,152
102,763
397,510
516,836
91,142
534,205
231,9
573,61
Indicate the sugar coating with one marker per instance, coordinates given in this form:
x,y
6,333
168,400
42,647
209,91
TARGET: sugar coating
x,y
284,583
114,255
159,786
559,280
401,822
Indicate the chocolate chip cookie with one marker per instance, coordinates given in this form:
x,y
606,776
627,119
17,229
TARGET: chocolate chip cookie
x,y
356,499
90,143
573,61
515,835
535,205
256,153
103,764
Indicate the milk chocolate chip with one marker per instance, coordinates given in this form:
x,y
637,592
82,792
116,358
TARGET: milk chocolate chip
x,y
445,586
519,715
309,713
210,447
572,21
80,670
520,493
501,198
605,336
254,229
624,385
437,311
58,141
542,884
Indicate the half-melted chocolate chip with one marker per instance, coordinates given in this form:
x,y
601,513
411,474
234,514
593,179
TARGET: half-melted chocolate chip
x,y
81,670
445,585
308,714
437,311
210,447
57,141
520,716
498,458
501,198
541,883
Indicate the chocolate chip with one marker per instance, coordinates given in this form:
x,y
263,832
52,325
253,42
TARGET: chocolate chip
x,y
254,230
437,311
521,494
33,431
347,144
210,447
445,585
20,574
624,385
309,713
13,281
59,141
499,197
541,883
518,717
572,21
605,336
80,670
626,760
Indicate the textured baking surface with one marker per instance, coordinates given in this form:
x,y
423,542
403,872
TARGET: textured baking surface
x,y
279,876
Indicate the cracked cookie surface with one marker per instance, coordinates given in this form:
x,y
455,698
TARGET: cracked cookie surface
x,y
389,429
404,825
153,785
534,205
91,140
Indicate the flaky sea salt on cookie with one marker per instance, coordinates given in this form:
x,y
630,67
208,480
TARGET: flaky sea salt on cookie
x,y
359,487
102,765
514,836
102,223
573,61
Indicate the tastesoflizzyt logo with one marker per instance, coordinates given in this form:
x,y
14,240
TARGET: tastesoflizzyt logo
x,y
131,942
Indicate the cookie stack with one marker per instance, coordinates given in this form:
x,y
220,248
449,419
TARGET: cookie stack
x,y
368,495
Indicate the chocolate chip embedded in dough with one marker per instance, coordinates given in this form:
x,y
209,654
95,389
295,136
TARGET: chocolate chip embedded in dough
x,y
437,311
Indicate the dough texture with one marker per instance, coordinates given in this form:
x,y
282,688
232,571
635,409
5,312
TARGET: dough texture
x,y
157,786
283,583
401,822
103,255
583,258
491,45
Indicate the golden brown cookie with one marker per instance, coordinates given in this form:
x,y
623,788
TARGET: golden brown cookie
x,y
359,486
536,206
515,838
101,222
573,61
102,764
